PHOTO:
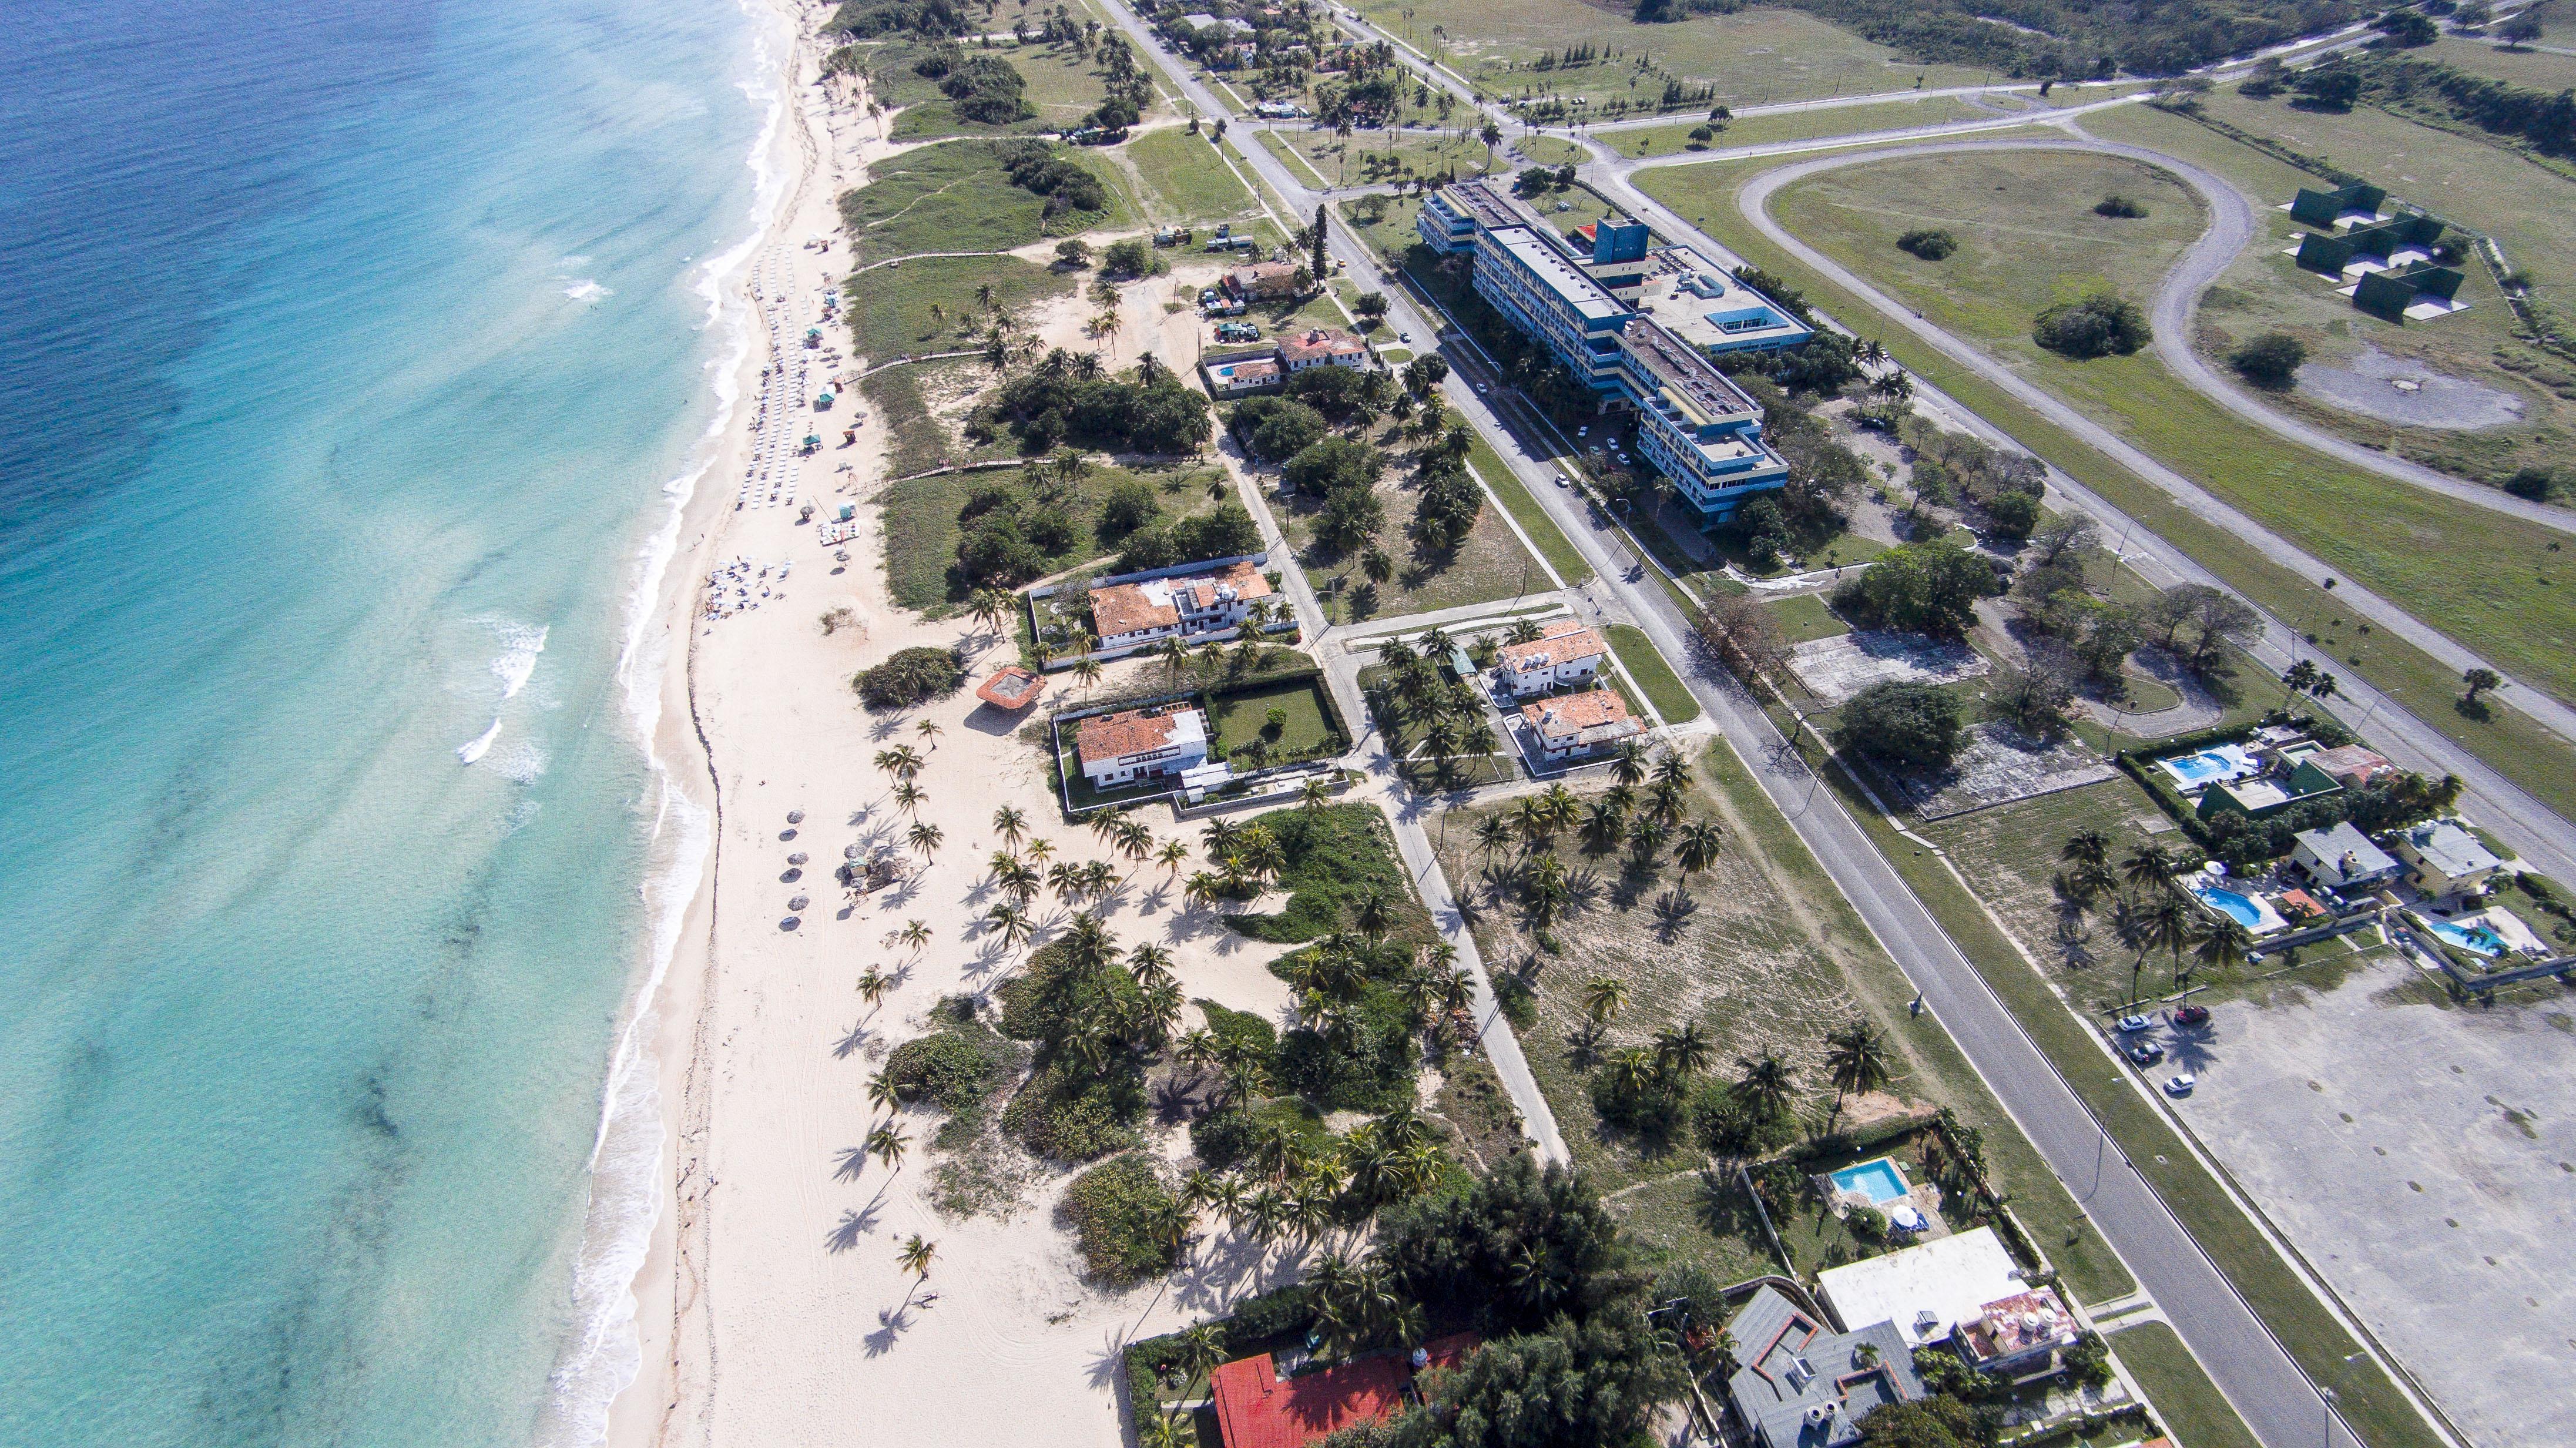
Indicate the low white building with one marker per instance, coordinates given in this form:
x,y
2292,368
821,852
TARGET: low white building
x,y
2343,858
1565,653
1321,347
1192,606
1156,743
1963,1289
2444,858
1578,725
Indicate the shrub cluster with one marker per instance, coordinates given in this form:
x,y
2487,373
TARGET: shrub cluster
x,y
1927,243
1004,541
1225,532
2103,324
1054,403
1277,427
1901,722
1036,166
1930,587
2119,207
911,677
2270,361
986,88
1120,1212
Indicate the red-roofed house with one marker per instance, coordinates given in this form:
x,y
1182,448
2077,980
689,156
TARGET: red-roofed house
x,y
1321,347
1581,723
1257,1408
1194,606
1141,744
1564,653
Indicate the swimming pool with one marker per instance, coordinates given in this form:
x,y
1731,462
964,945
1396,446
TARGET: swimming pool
x,y
2476,938
1879,1181
2241,909
2227,761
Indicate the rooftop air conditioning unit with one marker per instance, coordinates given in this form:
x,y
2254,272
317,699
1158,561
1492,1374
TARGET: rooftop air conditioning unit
x,y
1821,1414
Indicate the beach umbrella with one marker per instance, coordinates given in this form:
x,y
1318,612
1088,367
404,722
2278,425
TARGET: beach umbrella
x,y
796,816
798,903
852,852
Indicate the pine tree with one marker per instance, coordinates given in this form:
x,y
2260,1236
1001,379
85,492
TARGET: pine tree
x,y
1320,269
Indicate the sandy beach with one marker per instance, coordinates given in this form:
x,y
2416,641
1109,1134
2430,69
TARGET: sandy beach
x,y
768,1306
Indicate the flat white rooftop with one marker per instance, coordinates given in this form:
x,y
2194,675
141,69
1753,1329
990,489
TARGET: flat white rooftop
x,y
1926,1289
1549,265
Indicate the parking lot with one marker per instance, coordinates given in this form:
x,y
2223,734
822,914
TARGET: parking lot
x,y
2422,1158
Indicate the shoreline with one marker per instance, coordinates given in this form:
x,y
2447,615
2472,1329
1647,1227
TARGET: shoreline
x,y
665,1034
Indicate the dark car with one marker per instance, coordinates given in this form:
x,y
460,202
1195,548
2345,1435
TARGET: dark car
x,y
2191,1016
2146,1053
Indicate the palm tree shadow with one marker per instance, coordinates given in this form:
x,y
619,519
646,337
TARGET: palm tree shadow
x,y
1673,910
853,1225
856,1040
854,1164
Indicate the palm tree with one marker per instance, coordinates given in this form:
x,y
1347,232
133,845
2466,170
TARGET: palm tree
x,y
873,985
1858,1060
1479,740
929,729
1671,768
1039,849
1603,824
1202,889
1604,996
916,1257
1314,796
1695,847
1148,964
900,761
1493,833
1010,824
2085,847
1175,656
989,606
2173,924
1133,839
2130,927
2149,867
2223,946
1374,913
908,795
915,934
887,1145
1171,856
1629,765
1086,671
884,1094
1682,1050
1767,1084
1011,923
925,838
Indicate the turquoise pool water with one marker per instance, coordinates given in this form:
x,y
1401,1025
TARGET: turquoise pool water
x,y
2475,937
1877,1180
2238,908
2227,761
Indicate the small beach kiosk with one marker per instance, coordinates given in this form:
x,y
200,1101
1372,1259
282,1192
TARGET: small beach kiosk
x,y
1012,688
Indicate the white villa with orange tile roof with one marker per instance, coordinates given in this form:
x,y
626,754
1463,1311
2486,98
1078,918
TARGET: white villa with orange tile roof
x,y
1565,653
1581,723
1321,347
1191,606
1157,743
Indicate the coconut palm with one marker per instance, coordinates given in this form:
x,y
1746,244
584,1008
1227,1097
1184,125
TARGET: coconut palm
x,y
1604,996
925,838
1039,849
1374,913
1010,824
989,606
873,985
901,761
1682,1050
915,934
1696,846
2173,925
2085,847
887,1144
1011,923
1479,740
1493,833
1086,671
908,796
916,1256
1202,889
929,729
2149,867
2130,927
1149,963
1175,656
1314,795
1064,877
1628,766
2222,946
1858,1061
1603,825
884,1094
1133,839
1671,768
1171,856
1766,1084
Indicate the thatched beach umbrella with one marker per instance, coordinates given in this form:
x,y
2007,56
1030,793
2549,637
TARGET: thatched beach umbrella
x,y
796,816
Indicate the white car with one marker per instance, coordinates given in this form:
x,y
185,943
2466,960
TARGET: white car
x,y
1481,389
1563,481
1404,336
2133,1024
1583,431
2181,1084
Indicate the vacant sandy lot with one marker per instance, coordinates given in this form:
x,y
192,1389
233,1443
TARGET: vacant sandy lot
x,y
2423,1159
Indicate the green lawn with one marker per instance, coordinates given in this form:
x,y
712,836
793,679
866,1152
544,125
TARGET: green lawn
x,y
2305,1326
1241,717
1551,151
1506,486
2189,1403
2393,545
1754,56
890,308
1277,145
1179,178
1371,156
2264,290
1062,88
1334,855
921,523
953,197
1667,140
1804,616
1664,688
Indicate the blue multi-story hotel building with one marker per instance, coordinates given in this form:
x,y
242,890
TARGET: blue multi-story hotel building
x,y
1693,425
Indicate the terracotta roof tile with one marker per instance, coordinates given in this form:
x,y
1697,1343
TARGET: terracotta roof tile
x,y
1564,641
1107,737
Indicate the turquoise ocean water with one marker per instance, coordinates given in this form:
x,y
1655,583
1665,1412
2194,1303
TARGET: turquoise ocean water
x,y
351,360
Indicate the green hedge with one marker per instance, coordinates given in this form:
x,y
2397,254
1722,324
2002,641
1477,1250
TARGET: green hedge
x,y
1111,1209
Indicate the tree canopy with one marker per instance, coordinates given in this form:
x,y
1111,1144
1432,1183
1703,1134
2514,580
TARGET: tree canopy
x,y
1930,587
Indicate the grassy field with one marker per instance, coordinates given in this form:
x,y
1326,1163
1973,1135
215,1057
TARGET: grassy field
x,y
1664,688
1371,156
2398,542
2476,185
1178,178
919,405
921,523
890,308
1753,57
1804,616
1793,125
1404,736
952,197
1490,564
2189,1402
1770,955
2305,1326
1062,88
1551,151
1277,145
1241,717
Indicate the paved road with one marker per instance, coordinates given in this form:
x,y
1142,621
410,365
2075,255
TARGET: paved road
x,y
2268,1389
